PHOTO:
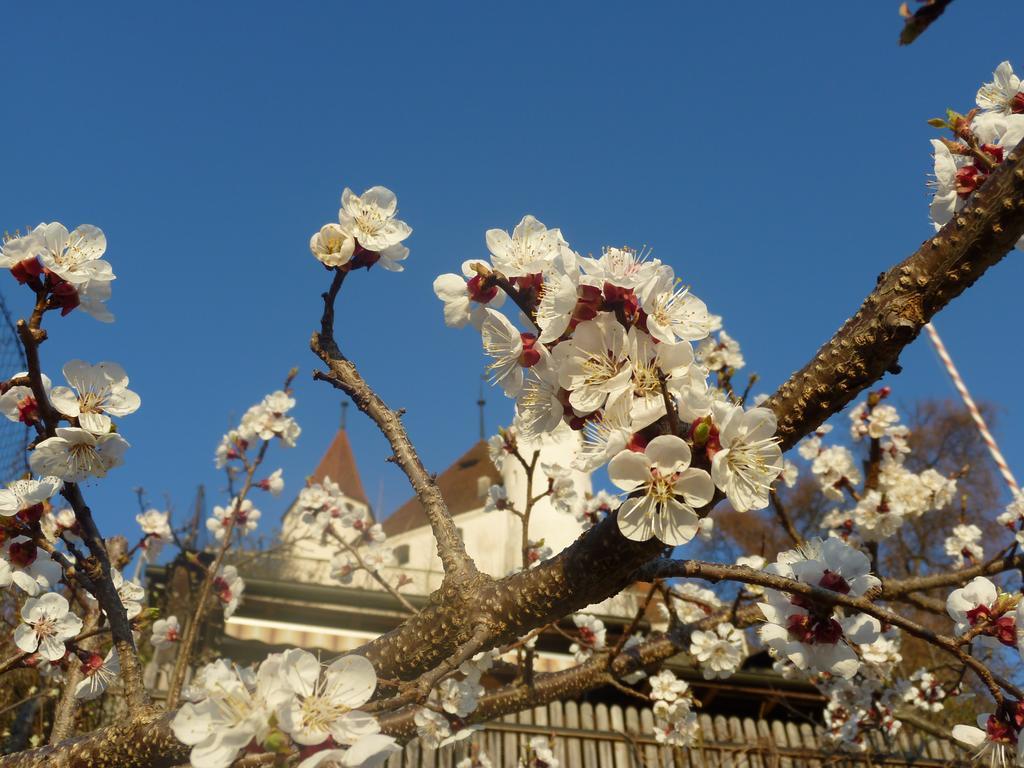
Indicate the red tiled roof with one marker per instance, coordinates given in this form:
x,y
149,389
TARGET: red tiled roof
x,y
459,485
339,464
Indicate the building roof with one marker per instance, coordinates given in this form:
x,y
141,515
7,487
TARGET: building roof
x,y
339,464
459,485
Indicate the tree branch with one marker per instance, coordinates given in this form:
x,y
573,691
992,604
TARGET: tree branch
x,y
343,375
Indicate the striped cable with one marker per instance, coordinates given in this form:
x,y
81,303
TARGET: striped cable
x,y
986,436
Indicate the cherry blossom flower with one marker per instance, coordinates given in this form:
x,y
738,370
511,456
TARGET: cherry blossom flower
x,y
665,686
720,354
675,723
100,673
529,250
332,246
21,496
459,697
343,567
963,544
228,712
268,419
369,752
510,350
75,454
605,434
998,739
46,624
370,219
877,517
97,392
273,483
593,364
925,691
749,459
34,571
670,490
621,267
432,728
539,754
875,421
559,297
539,409
673,313
814,636
229,586
130,593
980,606
691,602
466,296
590,636
245,516
810,447
719,651
76,256
834,468
166,632
537,552
18,403
1004,93
324,701
156,528
17,249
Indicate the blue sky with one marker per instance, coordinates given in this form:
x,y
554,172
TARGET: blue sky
x,y
775,155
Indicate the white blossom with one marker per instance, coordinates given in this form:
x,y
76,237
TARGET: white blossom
x,y
75,454
97,392
750,459
46,624
166,632
100,673
719,651
670,491
370,219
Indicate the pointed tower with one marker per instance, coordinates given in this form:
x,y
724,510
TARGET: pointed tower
x,y
310,554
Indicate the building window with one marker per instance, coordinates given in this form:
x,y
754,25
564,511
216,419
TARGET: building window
x,y
402,554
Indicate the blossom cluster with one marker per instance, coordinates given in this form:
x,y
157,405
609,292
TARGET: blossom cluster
x,y
266,420
291,698
814,635
66,268
608,350
367,233
981,140
675,722
897,494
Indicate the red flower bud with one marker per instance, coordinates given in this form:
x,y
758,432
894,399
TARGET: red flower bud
x,y
479,292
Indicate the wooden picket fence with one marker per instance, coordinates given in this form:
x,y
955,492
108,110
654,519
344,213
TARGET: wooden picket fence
x,y
601,736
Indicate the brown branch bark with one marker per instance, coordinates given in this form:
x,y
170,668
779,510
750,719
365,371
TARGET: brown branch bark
x,y
343,375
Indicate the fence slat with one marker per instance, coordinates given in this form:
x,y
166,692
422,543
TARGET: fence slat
x,y
651,753
510,744
588,723
574,747
556,717
412,754
778,731
604,749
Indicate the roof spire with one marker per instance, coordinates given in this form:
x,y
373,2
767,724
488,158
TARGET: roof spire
x,y
481,403
344,412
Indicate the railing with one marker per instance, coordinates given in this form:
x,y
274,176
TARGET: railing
x,y
601,736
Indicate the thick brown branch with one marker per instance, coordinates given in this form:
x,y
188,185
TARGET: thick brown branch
x,y
905,298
